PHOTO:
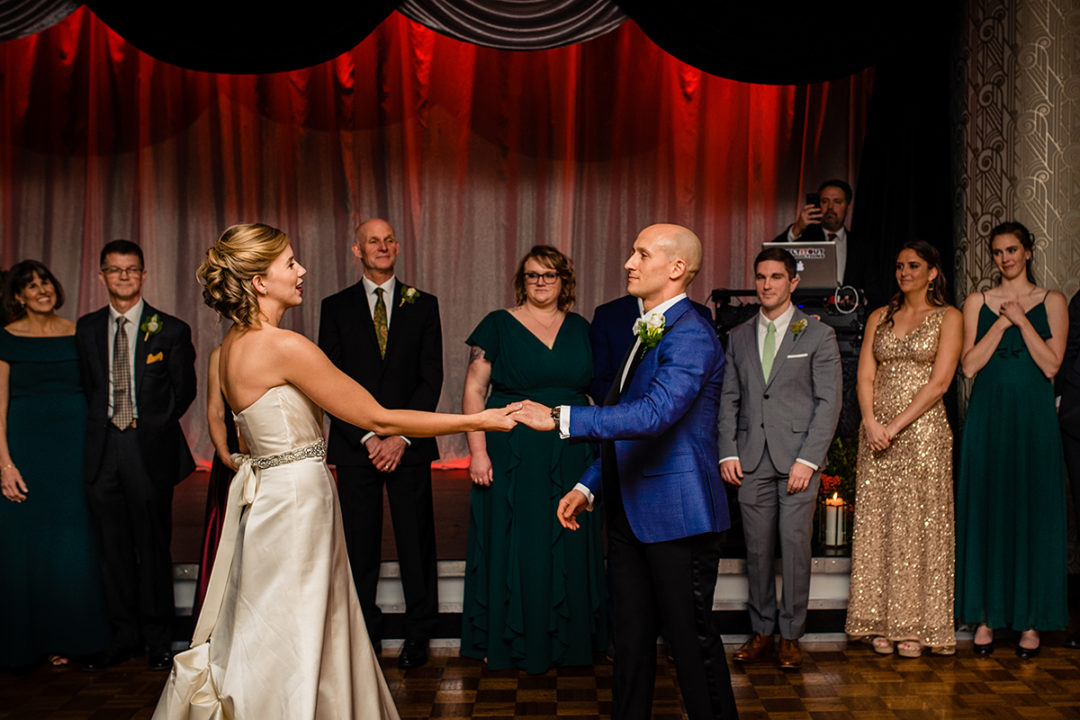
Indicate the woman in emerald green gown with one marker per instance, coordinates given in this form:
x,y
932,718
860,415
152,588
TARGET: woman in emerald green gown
x,y
52,598
1011,526
534,592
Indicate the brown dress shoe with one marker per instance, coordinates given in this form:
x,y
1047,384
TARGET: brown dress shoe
x,y
756,648
790,656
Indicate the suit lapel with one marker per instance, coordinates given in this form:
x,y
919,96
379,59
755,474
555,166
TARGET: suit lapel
x,y
756,370
397,317
101,337
671,316
141,342
364,324
787,343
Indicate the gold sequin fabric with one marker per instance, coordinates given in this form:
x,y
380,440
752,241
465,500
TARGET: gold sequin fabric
x,y
902,564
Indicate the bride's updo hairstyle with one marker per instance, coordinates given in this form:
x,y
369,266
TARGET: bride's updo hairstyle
x,y
241,253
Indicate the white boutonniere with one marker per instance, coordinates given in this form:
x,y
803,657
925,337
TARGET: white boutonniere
x,y
151,326
650,329
798,326
408,295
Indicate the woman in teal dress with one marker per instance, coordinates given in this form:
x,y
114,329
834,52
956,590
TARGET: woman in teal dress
x,y
534,592
51,589
1011,526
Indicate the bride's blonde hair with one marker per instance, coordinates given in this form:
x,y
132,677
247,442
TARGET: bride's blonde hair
x,y
241,253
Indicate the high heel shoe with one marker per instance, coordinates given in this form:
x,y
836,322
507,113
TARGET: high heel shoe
x,y
1028,653
983,649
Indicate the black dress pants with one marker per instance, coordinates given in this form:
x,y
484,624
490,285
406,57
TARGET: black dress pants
x,y
408,489
669,583
132,518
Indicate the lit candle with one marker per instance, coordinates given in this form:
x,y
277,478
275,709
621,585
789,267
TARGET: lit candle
x,y
834,522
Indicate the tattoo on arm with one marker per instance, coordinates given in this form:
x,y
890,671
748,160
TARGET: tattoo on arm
x,y
475,353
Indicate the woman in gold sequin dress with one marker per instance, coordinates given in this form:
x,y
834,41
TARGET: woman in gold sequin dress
x,y
902,558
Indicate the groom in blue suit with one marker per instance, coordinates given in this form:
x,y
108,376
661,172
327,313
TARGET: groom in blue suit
x,y
665,504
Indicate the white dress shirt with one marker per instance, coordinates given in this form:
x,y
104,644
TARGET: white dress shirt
x,y
133,315
564,412
388,300
388,296
841,249
782,322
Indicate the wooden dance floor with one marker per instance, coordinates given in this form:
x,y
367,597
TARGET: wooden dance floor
x,y
836,682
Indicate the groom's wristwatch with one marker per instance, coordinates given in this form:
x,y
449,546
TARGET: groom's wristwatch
x,y
556,413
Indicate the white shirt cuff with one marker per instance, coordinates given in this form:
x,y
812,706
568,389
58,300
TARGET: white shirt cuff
x,y
791,237
807,463
729,457
564,431
587,493
371,435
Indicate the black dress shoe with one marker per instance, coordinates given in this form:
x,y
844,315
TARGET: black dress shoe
x,y
414,653
1027,653
1073,641
159,661
105,660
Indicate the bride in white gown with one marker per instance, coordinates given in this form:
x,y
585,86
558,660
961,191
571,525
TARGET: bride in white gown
x,y
281,634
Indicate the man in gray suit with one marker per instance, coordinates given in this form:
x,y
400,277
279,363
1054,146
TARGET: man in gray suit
x,y
778,411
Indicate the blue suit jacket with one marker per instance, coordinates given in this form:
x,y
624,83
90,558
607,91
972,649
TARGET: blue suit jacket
x,y
665,436
611,336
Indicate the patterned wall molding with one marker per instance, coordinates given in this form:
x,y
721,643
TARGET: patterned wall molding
x,y
1016,152
1017,147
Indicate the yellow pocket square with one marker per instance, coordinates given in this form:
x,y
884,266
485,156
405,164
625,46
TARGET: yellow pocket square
x,y
156,357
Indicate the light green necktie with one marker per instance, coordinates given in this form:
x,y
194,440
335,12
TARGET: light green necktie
x,y
768,350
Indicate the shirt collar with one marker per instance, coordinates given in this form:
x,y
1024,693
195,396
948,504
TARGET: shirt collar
x,y
780,322
133,315
388,286
662,307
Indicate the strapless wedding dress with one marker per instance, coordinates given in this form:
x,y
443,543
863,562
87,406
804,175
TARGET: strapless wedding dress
x,y
281,634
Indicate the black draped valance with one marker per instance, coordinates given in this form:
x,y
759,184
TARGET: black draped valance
x,y
758,43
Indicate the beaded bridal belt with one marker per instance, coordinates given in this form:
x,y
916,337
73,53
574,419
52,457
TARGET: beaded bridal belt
x,y
315,450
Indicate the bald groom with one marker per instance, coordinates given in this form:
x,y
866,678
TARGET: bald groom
x,y
665,505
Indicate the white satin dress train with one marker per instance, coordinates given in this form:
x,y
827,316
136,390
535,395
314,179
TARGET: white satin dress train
x,y
281,634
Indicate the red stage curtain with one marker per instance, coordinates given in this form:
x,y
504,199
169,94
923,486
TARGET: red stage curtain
x,y
473,154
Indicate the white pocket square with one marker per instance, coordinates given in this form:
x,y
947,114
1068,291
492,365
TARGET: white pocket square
x,y
790,357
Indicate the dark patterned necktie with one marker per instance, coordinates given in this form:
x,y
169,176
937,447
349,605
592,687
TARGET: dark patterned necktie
x,y
832,237
382,328
123,408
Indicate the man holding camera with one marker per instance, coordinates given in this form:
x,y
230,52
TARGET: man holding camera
x,y
821,219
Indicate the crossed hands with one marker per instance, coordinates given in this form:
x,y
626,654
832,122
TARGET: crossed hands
x,y
1012,311
385,453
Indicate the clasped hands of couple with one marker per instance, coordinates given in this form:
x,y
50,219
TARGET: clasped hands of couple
x,y
538,417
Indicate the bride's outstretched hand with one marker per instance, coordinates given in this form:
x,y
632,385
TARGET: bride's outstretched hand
x,y
499,418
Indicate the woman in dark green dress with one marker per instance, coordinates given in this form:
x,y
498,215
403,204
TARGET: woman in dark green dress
x,y
52,601
1011,541
534,592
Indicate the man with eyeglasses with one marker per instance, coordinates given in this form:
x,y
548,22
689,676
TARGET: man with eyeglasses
x,y
387,336
138,372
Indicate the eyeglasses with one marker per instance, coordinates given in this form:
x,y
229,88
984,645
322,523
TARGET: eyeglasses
x,y
534,277
134,270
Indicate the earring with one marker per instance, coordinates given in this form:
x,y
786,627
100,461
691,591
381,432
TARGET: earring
x,y
931,287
